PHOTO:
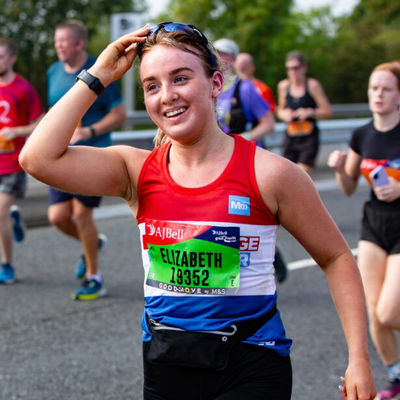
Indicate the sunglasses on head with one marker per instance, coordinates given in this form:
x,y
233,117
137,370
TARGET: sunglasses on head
x,y
186,28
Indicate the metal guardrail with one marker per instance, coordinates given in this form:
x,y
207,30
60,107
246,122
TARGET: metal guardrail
x,y
141,117
332,131
339,110
351,110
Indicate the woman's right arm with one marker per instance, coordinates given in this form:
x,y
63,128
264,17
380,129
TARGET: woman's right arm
x,y
283,113
82,169
347,169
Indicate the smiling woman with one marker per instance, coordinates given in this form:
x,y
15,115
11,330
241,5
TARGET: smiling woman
x,y
211,329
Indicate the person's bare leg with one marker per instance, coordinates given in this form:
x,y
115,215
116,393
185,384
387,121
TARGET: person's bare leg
x,y
372,263
388,307
88,235
61,216
305,167
6,228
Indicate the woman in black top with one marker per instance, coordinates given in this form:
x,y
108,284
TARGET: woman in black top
x,y
378,144
301,101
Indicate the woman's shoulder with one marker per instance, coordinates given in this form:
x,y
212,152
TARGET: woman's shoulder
x,y
313,84
273,165
315,88
277,177
283,85
366,128
134,157
131,150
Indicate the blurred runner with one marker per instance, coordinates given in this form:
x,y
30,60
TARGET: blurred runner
x,y
73,214
20,112
301,102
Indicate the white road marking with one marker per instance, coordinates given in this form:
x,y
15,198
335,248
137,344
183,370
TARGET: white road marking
x,y
113,211
309,262
324,185
122,210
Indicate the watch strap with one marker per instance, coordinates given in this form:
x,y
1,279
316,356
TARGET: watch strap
x,y
90,80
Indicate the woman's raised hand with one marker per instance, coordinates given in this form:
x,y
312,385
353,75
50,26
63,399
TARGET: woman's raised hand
x,y
337,160
118,56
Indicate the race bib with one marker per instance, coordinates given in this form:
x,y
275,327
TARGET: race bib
x,y
6,146
300,128
193,259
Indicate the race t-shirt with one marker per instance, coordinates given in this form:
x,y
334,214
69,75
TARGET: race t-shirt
x,y
19,106
378,148
266,93
208,252
59,82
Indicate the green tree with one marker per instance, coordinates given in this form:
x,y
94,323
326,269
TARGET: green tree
x,y
268,30
313,33
341,52
368,37
252,25
31,24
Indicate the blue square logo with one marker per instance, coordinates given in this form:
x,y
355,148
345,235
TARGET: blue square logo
x,y
239,205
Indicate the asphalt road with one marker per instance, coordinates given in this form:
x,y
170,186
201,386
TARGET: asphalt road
x,y
52,348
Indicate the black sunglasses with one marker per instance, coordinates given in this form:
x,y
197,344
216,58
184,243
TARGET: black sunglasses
x,y
294,68
180,27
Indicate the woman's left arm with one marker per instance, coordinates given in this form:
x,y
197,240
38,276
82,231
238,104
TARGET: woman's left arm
x,y
291,194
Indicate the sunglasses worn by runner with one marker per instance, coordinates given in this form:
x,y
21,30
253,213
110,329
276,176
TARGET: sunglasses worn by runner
x,y
191,30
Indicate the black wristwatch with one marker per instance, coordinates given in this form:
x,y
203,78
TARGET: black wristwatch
x,y
90,80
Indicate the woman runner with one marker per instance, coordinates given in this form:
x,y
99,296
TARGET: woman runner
x,y
207,205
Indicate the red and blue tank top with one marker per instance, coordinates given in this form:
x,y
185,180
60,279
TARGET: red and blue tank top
x,y
208,252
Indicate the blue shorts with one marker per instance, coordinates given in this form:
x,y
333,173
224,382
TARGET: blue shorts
x,y
58,196
13,184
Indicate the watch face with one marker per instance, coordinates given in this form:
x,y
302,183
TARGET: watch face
x,y
97,86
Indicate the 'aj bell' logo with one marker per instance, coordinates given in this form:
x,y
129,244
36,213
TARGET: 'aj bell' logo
x,y
239,205
165,232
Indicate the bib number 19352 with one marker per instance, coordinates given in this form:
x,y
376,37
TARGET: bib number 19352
x,y
206,263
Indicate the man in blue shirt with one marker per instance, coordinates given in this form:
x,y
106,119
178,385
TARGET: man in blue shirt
x,y
240,108
73,214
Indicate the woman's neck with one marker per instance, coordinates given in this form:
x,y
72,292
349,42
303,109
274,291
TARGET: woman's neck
x,y
199,163
384,123
72,66
205,148
298,83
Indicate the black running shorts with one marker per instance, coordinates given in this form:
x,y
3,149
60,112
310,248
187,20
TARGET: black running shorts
x,y
382,227
253,373
302,149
